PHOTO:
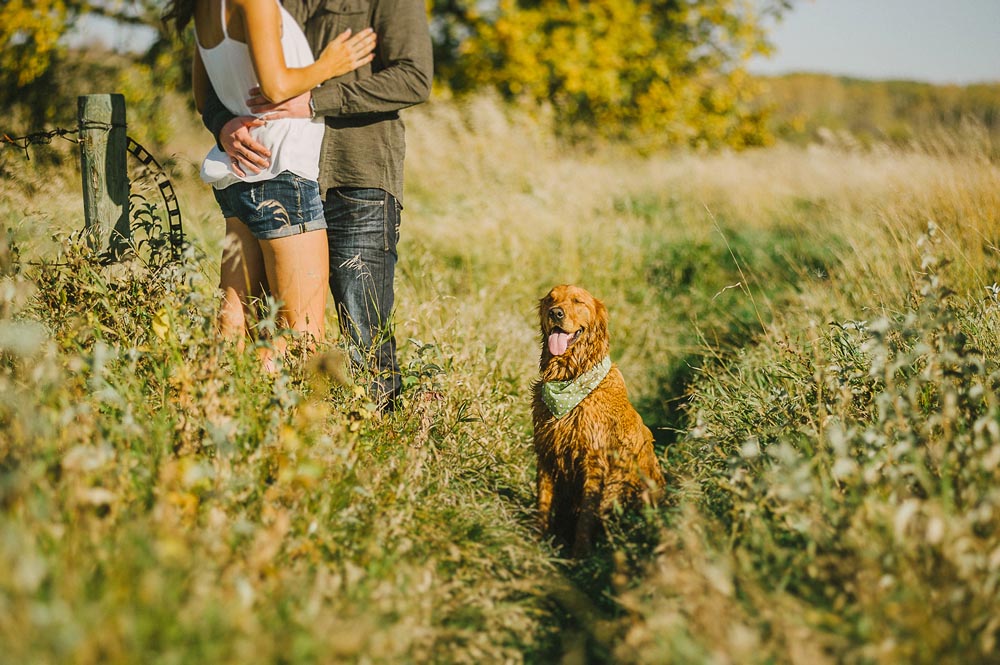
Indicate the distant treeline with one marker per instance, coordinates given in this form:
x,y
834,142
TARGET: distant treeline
x,y
798,108
805,107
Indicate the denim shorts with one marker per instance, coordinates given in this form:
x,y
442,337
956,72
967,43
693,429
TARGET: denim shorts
x,y
285,205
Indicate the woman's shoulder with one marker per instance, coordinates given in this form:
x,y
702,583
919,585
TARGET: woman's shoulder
x,y
268,6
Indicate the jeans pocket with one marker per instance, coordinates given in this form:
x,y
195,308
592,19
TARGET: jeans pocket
x,y
357,219
363,196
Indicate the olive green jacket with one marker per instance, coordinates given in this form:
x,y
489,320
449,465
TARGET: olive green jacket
x,y
364,141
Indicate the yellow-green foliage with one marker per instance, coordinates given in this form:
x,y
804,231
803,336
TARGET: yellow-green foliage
x,y
29,34
658,71
667,72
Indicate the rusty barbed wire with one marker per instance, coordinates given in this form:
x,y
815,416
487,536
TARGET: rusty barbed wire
x,y
44,138
38,138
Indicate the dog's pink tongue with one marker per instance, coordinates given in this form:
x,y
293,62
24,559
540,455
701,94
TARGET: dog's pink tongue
x,y
558,341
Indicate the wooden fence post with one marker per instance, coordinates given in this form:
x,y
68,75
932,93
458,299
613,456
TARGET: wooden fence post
x,y
103,154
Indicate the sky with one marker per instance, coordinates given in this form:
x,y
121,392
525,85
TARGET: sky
x,y
93,29
937,41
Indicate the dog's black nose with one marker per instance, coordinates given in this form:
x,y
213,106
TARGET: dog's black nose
x,y
557,314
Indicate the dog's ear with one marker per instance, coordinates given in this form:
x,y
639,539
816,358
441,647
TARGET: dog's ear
x,y
601,317
600,329
543,308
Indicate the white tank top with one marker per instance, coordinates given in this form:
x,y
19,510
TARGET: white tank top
x,y
294,142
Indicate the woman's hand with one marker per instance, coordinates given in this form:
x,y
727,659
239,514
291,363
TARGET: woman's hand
x,y
347,52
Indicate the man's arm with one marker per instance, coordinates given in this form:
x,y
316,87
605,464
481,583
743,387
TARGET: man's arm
x,y
200,83
232,133
214,114
406,59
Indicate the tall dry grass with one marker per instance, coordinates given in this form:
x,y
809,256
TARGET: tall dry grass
x,y
785,320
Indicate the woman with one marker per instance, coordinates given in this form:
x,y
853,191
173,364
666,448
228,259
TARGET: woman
x,y
275,230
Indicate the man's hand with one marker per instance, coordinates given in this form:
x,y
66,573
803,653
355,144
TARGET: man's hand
x,y
296,107
245,153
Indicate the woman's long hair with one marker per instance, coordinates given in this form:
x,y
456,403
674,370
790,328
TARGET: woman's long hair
x,y
179,12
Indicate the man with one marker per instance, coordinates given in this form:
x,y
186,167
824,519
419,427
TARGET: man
x,y
361,167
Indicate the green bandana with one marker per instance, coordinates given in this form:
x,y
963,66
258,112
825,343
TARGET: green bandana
x,y
562,396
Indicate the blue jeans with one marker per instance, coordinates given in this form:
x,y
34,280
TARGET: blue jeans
x,y
362,230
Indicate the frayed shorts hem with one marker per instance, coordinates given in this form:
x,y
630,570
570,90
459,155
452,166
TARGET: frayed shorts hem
x,y
288,231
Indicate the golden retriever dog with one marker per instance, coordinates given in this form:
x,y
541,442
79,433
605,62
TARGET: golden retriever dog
x,y
594,452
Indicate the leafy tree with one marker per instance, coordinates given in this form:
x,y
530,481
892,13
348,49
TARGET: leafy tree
x,y
29,35
38,75
658,71
30,31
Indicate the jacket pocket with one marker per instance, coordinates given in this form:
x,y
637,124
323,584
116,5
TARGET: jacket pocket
x,y
346,6
335,16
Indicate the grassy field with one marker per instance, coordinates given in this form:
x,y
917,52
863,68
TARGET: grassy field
x,y
812,333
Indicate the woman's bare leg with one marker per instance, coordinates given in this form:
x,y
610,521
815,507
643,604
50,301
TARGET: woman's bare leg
x,y
242,280
298,270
